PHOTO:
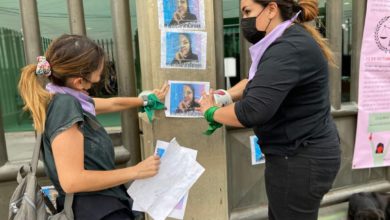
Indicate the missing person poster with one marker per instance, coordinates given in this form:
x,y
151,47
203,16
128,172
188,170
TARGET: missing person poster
x,y
373,126
257,155
181,14
183,98
185,50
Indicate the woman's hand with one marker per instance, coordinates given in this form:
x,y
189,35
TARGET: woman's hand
x,y
161,93
179,56
207,101
147,168
178,16
184,105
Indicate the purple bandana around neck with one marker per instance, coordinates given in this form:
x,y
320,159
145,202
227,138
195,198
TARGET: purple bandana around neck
x,y
86,101
258,49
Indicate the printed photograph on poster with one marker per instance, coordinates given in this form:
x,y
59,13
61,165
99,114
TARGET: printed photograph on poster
x,y
257,154
183,98
181,14
185,50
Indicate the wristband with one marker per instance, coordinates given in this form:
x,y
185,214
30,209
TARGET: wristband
x,y
222,97
145,100
209,116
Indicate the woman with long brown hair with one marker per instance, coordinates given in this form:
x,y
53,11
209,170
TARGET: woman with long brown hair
x,y
286,101
78,153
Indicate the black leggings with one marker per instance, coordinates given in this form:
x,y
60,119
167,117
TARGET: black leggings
x,y
296,185
100,207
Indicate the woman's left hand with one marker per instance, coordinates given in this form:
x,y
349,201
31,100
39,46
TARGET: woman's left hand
x,y
161,93
207,101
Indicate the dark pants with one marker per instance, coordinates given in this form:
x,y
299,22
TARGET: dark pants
x,y
100,207
296,185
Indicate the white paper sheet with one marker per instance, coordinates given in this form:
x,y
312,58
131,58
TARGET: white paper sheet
x,y
179,210
159,195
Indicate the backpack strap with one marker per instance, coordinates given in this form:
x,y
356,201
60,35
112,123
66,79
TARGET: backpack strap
x,y
68,205
48,203
34,164
35,157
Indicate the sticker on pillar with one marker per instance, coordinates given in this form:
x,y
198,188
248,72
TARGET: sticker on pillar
x,y
184,50
183,98
181,14
257,154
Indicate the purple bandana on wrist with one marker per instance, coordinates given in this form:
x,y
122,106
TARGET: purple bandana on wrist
x,y
86,101
257,50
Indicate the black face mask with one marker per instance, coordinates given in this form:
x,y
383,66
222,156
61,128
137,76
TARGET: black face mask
x,y
249,30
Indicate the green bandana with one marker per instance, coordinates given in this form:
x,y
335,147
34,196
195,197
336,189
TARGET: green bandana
x,y
153,104
209,116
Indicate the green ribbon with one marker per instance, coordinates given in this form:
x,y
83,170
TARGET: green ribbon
x,y
153,104
209,116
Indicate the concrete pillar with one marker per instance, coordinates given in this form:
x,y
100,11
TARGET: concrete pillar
x,y
334,11
31,31
208,197
126,75
358,17
76,17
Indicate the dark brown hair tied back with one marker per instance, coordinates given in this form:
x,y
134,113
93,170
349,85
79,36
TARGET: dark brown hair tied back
x,y
309,9
309,12
296,7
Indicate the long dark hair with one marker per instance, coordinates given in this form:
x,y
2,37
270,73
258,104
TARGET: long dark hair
x,y
193,103
309,12
186,35
188,8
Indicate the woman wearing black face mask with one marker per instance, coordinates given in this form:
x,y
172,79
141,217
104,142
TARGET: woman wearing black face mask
x,y
286,101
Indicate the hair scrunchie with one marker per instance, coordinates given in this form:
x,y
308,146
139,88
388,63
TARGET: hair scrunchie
x,y
43,66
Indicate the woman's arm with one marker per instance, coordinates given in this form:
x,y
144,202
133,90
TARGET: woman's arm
x,y
227,116
116,104
237,90
68,152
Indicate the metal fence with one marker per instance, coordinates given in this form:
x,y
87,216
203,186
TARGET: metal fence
x,y
12,60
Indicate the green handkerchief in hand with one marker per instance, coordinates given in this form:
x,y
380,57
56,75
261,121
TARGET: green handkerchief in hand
x,y
153,104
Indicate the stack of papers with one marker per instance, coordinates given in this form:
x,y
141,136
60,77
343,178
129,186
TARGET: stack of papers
x,y
165,195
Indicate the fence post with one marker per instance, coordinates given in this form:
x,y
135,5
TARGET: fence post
x,y
219,50
3,147
31,32
126,75
334,17
358,15
76,17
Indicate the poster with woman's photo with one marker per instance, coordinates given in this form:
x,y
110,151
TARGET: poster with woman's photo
x,y
181,14
183,98
184,50
256,153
